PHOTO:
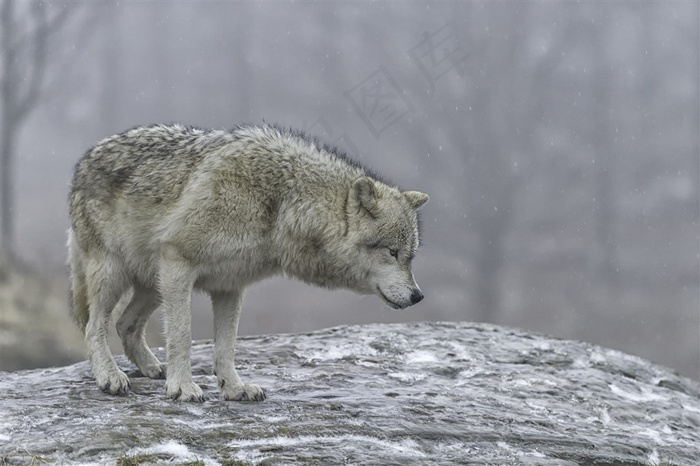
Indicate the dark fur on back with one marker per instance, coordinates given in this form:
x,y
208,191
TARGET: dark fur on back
x,y
136,151
321,145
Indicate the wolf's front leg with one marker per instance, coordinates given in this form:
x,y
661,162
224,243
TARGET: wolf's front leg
x,y
176,281
227,310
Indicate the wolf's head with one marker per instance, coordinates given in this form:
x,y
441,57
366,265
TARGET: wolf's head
x,y
383,230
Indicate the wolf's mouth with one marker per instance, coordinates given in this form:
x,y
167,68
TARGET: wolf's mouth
x,y
389,302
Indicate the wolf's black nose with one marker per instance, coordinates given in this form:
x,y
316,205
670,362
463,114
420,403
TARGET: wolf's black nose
x,y
416,296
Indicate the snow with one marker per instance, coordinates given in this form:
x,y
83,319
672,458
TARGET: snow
x,y
171,447
418,357
403,448
644,394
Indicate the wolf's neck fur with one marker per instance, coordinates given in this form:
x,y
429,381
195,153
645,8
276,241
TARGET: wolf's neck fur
x,y
311,236
311,225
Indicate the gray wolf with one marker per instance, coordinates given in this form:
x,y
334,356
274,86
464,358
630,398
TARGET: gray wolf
x,y
161,210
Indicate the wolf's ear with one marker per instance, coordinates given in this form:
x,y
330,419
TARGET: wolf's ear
x,y
416,198
364,194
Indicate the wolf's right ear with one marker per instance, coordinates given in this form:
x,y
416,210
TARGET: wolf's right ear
x,y
363,194
416,198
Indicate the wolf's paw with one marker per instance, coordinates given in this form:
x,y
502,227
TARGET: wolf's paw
x,y
188,391
114,382
243,392
154,372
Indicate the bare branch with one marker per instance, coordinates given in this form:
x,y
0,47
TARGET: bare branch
x,y
55,23
38,68
6,50
44,28
6,11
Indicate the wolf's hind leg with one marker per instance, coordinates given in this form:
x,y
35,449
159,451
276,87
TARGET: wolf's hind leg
x,y
105,285
131,328
227,311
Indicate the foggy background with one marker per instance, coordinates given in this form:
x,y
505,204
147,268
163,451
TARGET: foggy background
x,y
558,143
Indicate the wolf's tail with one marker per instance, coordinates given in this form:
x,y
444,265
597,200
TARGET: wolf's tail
x,y
78,290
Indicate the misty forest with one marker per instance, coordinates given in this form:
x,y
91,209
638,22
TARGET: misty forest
x,y
558,143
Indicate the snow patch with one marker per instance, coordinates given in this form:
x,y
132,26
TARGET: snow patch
x,y
535,406
504,446
615,354
654,457
532,454
581,363
272,419
469,373
171,447
408,377
597,357
331,353
542,345
522,383
420,356
695,409
652,434
405,447
643,395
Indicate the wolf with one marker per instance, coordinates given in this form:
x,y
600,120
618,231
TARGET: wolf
x,y
163,210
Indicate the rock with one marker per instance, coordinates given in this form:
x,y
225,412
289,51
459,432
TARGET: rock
x,y
423,393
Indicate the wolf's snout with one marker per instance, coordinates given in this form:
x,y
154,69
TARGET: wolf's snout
x,y
416,296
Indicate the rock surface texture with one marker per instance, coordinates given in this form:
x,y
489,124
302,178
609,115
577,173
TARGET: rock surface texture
x,y
424,393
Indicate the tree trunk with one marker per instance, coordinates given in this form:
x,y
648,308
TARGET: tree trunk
x,y
8,129
7,134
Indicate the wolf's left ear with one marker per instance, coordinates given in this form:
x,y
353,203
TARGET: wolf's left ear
x,y
416,198
364,194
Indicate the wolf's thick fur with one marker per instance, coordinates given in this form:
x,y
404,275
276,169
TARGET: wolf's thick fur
x,y
163,209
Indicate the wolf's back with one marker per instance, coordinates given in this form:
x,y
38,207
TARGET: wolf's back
x,y
149,161
148,167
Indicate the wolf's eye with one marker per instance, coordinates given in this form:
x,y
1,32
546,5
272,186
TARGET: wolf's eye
x,y
394,253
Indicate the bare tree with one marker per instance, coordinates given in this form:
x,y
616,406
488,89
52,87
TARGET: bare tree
x,y
25,32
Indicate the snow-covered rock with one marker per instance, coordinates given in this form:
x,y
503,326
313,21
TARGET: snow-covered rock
x,y
423,393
